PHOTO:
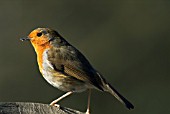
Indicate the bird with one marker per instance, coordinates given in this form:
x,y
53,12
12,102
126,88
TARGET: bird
x,y
66,68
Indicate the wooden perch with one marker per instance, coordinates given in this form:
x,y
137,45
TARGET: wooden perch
x,y
33,108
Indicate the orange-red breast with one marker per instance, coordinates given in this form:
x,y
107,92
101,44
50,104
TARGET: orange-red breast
x,y
66,68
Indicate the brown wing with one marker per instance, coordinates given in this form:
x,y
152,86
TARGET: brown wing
x,y
70,61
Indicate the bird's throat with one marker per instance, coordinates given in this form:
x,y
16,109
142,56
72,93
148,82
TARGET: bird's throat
x,y
40,51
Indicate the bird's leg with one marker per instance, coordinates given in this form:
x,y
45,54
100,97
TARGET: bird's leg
x,y
53,103
88,105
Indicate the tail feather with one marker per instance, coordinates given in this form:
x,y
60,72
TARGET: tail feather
x,y
108,88
115,93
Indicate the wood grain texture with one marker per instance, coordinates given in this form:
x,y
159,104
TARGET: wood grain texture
x,y
33,108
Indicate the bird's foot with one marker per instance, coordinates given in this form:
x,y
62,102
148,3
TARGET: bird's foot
x,y
56,105
88,111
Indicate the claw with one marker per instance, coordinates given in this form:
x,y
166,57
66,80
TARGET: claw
x,y
56,105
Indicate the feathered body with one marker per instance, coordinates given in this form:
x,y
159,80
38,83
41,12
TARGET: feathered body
x,y
65,67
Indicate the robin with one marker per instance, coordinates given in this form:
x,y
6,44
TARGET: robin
x,y
66,68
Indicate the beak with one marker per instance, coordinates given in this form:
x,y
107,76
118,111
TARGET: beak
x,y
26,38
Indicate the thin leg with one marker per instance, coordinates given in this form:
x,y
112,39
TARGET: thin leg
x,y
88,105
60,98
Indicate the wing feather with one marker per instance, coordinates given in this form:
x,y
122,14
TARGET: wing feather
x,y
70,61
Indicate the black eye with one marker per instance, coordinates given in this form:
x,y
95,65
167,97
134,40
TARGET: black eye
x,y
39,34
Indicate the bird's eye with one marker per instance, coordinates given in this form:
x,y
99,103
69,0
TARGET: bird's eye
x,y
39,34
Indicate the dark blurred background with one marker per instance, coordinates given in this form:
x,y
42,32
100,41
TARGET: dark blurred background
x,y
127,41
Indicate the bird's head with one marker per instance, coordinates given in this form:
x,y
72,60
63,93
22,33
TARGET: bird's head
x,y
44,38
41,36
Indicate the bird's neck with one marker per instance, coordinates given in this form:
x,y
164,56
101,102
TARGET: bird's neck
x,y
40,50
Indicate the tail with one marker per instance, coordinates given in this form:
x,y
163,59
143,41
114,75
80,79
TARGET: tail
x,y
115,93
